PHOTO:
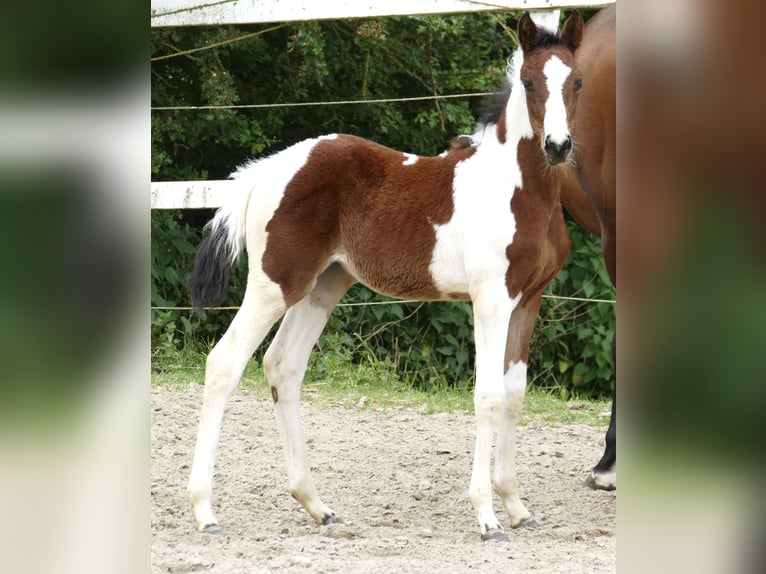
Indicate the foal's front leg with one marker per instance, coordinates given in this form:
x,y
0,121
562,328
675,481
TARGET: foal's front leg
x,y
505,480
515,382
492,311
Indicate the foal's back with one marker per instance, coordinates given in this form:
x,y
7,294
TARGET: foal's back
x,y
368,207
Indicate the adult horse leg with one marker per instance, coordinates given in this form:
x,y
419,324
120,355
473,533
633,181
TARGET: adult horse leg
x,y
604,474
285,364
492,311
262,306
515,383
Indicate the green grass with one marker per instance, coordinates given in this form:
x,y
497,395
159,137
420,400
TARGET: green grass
x,y
333,381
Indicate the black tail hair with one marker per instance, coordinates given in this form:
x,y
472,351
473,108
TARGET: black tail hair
x,y
210,275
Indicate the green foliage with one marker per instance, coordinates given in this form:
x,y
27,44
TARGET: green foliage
x,y
332,60
571,350
430,345
174,243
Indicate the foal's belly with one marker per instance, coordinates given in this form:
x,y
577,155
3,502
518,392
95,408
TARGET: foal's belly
x,y
401,282
448,275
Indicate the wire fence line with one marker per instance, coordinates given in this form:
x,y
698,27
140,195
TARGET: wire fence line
x,y
373,303
331,103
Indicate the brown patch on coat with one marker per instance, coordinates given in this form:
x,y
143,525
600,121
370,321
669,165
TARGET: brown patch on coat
x,y
460,142
356,200
539,248
501,128
541,243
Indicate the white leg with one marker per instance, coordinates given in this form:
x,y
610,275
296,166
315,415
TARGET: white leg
x,y
492,311
285,363
261,308
515,383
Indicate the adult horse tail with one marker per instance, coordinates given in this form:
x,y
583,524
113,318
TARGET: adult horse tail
x,y
220,249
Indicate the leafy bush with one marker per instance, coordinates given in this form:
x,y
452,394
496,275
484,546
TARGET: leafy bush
x,y
430,345
571,348
174,243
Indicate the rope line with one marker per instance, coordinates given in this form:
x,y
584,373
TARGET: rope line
x,y
333,103
216,44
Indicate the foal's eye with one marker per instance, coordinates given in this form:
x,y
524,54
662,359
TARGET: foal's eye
x,y
527,85
578,84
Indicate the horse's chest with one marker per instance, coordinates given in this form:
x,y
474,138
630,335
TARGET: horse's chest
x,y
470,248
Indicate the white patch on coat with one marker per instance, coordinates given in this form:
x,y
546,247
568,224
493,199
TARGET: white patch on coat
x,y
266,178
410,159
515,382
328,137
471,247
555,123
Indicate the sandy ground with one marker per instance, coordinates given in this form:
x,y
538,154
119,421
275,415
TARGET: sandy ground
x,y
399,479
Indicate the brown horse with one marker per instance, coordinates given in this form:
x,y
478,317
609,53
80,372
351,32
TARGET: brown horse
x,y
589,194
482,223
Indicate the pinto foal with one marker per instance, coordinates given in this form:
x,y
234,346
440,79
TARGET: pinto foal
x,y
481,222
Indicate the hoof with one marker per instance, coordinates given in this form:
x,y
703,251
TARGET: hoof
x,y
530,523
332,519
495,535
602,480
211,528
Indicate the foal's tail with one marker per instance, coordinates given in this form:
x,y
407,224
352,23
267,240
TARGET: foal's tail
x,y
220,250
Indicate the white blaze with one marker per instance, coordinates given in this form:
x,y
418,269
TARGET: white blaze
x,y
555,123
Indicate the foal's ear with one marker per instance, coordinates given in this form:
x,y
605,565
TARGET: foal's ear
x,y
572,32
527,32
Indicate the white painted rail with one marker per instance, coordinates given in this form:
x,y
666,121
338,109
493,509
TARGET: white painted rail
x,y
189,194
217,12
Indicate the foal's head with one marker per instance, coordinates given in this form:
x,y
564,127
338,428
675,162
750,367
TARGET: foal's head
x,y
551,80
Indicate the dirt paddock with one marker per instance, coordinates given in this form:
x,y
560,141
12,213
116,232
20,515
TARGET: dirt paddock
x,y
399,479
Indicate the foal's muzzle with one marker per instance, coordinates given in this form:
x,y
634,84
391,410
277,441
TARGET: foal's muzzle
x,y
557,152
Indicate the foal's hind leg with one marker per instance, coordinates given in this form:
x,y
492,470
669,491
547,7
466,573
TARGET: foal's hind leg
x,y
515,381
261,307
285,363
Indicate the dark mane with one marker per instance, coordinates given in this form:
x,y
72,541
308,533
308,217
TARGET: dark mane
x,y
491,112
547,39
